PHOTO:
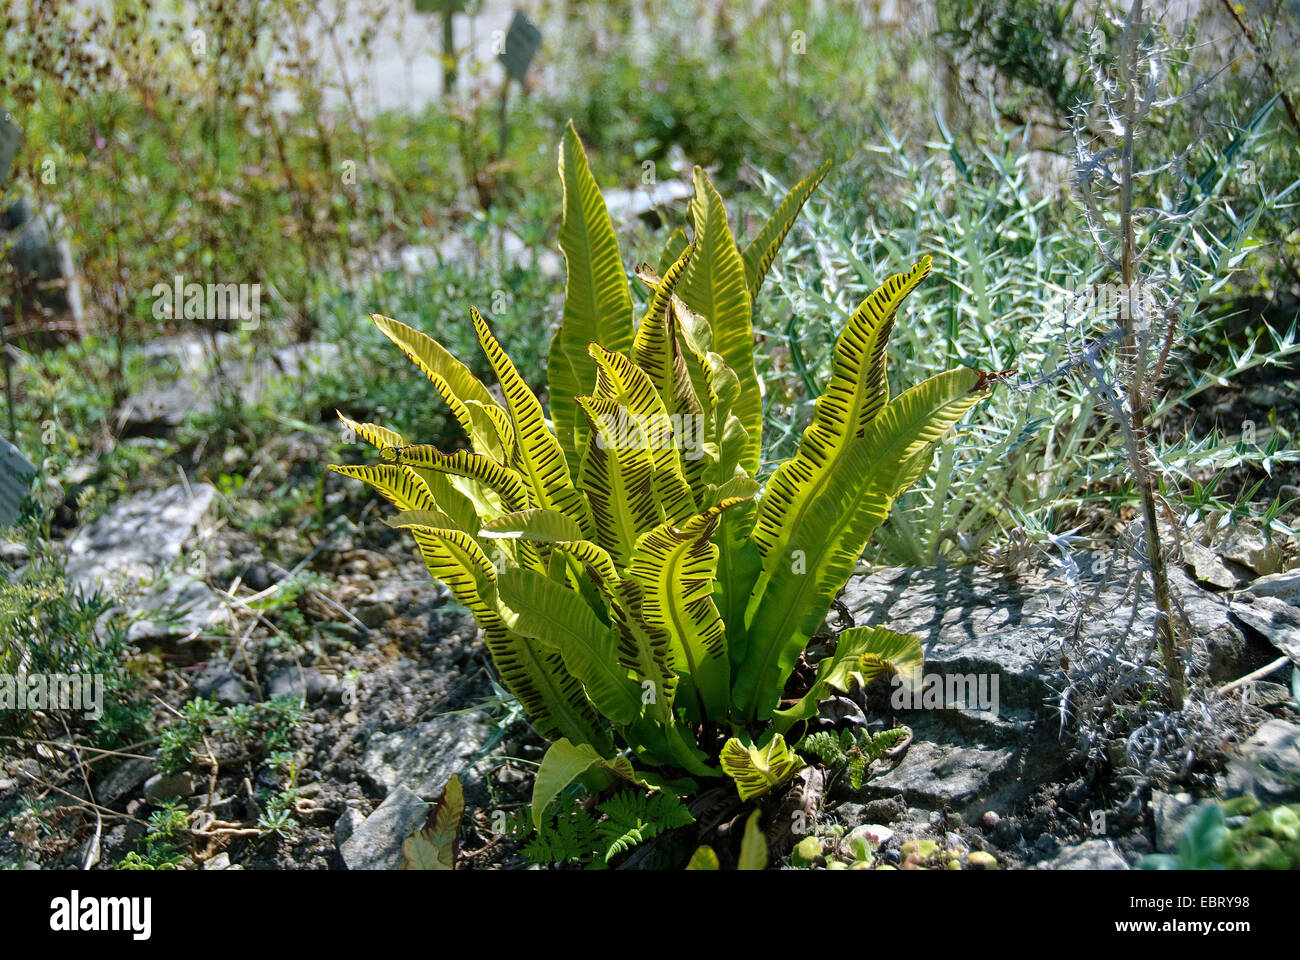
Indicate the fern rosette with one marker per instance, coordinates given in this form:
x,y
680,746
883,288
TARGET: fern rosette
x,y
639,590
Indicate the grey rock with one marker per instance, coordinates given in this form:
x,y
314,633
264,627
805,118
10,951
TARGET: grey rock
x,y
974,621
1267,766
376,842
14,553
220,862
219,682
935,774
303,682
1090,855
10,137
170,786
424,756
1247,545
122,779
1265,694
139,538
1209,568
41,255
1168,811
346,825
158,409
625,204
1282,586
1272,606
1276,619
184,607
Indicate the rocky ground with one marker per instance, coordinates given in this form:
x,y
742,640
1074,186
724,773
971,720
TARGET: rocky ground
x,y
395,694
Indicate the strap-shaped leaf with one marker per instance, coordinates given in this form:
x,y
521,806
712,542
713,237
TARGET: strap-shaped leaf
x,y
862,654
675,569
753,845
552,697
757,770
827,517
540,458
857,391
424,518
460,506
656,350
375,435
597,302
858,388
618,478
453,379
761,251
451,500
545,525
646,650
598,562
506,482
622,382
539,607
399,486
714,286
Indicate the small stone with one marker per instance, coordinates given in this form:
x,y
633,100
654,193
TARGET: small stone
x,y
300,682
346,825
220,683
14,553
1168,812
376,843
1208,568
1267,766
886,810
990,819
169,786
122,779
1091,855
1248,546
877,833
424,756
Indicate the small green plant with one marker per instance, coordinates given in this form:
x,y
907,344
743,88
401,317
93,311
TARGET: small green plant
x,y
164,846
1236,835
852,750
629,818
633,595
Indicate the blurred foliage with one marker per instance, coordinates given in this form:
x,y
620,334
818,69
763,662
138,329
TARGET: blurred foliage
x,y
1238,834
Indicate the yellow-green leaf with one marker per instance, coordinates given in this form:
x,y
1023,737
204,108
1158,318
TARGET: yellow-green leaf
x,y
753,845
757,770
436,845
597,302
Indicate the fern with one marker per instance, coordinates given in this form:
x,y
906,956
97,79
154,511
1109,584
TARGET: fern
x,y
854,752
630,817
569,838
